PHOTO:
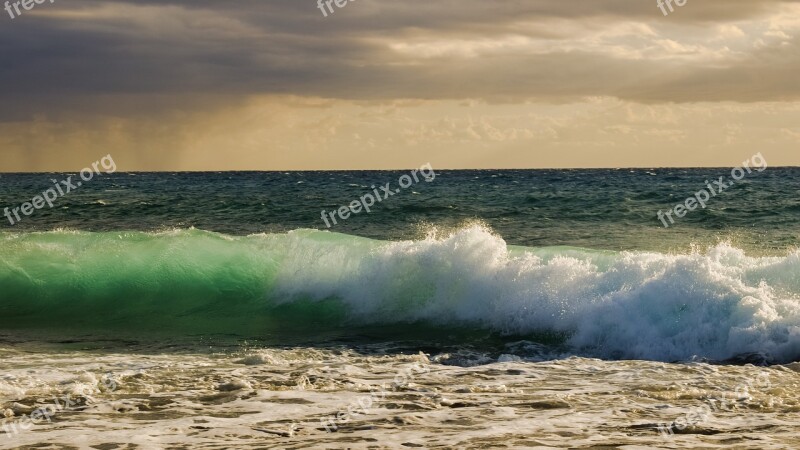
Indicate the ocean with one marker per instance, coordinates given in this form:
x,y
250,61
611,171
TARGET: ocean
x,y
470,309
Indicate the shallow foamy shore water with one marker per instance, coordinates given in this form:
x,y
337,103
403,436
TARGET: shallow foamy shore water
x,y
338,397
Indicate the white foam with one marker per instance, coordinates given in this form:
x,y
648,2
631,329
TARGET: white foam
x,y
714,304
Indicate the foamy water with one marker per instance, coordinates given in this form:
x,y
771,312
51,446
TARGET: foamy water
x,y
276,399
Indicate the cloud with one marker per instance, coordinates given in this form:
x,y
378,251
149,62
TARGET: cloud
x,y
504,50
141,71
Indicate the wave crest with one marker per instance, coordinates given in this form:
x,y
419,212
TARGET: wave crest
x,y
640,305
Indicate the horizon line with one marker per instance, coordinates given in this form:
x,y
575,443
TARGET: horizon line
x,y
392,170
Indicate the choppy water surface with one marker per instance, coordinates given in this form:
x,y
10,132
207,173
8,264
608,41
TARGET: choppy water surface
x,y
599,209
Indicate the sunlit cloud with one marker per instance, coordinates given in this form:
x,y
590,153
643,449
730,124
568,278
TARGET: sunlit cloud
x,y
185,84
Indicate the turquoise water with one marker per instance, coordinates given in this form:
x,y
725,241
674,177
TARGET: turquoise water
x,y
576,260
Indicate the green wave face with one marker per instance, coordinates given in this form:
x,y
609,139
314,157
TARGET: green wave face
x,y
190,281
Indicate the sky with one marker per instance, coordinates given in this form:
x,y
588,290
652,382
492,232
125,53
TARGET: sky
x,y
387,84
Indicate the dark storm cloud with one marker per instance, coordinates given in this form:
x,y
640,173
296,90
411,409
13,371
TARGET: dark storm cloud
x,y
80,55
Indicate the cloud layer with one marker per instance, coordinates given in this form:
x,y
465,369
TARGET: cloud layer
x,y
139,74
